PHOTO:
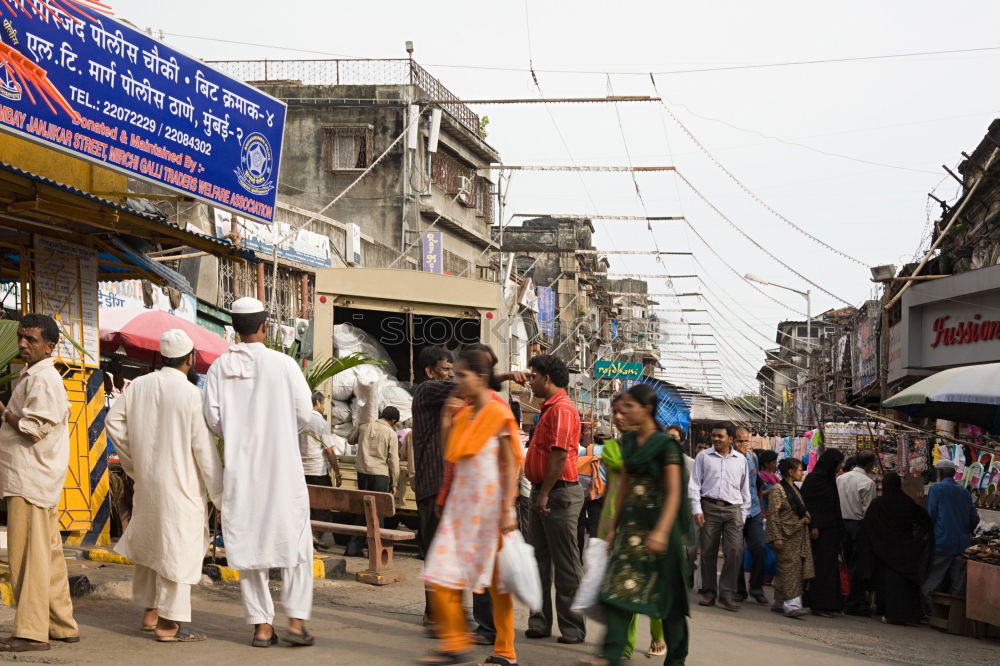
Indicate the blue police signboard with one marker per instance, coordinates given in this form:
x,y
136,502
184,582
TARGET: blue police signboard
x,y
77,80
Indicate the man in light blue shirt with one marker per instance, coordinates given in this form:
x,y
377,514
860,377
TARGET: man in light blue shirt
x,y
719,491
753,528
955,517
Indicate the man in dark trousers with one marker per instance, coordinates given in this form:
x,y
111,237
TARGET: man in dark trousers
x,y
557,500
427,471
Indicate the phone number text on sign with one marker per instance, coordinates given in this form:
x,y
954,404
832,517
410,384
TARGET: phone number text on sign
x,y
80,81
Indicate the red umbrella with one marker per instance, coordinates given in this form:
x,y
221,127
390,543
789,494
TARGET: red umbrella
x,y
138,330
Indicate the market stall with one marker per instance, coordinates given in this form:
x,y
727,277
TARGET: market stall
x,y
982,602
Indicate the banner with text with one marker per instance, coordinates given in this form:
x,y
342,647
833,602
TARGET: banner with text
x,y
432,252
546,311
305,247
617,370
80,81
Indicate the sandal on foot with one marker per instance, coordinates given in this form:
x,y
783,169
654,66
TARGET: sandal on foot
x,y
501,661
22,645
305,639
264,642
657,649
182,636
148,627
442,658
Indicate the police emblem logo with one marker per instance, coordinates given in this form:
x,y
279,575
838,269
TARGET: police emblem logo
x,y
256,165
9,86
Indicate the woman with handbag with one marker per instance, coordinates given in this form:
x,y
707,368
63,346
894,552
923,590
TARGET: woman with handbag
x,y
647,569
484,447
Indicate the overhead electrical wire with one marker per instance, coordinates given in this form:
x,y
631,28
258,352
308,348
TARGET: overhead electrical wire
x,y
753,195
644,72
755,243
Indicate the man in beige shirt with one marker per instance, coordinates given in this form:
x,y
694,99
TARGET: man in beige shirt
x,y
377,462
34,459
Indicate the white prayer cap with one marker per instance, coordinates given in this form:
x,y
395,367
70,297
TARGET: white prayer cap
x,y
246,305
944,463
175,343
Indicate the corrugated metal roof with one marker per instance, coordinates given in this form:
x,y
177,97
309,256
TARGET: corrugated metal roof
x,y
133,206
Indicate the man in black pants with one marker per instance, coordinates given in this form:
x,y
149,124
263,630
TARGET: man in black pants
x,y
377,463
856,489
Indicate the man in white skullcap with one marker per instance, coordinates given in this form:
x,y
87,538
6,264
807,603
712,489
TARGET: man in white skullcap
x,y
257,400
159,431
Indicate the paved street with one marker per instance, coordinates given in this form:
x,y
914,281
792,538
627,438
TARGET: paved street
x,y
356,623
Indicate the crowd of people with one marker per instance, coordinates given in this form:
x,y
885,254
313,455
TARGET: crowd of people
x,y
255,436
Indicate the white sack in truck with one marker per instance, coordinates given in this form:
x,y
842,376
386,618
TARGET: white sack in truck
x,y
396,396
340,412
339,445
342,384
348,339
343,430
365,407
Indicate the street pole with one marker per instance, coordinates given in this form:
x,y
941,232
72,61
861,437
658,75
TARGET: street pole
x,y
809,327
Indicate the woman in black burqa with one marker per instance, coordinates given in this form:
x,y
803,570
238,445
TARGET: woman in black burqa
x,y
819,491
899,536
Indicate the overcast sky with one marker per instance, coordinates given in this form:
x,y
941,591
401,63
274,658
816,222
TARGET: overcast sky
x,y
848,151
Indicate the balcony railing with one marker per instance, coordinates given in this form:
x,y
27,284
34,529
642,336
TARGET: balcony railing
x,y
386,72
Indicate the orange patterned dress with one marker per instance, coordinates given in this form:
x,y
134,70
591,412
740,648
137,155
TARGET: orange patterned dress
x,y
464,549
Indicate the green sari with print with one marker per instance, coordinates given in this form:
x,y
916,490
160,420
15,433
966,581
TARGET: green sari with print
x,y
637,580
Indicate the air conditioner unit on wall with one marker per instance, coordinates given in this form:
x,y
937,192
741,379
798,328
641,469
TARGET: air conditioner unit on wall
x,y
301,328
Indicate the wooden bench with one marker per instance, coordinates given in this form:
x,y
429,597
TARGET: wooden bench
x,y
372,505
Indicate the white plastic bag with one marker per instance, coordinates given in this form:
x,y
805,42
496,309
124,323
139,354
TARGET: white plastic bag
x,y
595,563
519,570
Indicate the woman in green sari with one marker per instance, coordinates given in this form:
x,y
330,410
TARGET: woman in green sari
x,y
647,567
611,457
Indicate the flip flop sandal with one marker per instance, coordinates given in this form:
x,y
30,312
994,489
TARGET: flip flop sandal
x,y
305,639
502,661
441,658
658,651
148,627
182,636
264,642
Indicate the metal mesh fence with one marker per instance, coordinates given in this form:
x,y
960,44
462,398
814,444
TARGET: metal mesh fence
x,y
388,72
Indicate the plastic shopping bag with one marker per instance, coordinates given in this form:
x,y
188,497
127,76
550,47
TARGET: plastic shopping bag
x,y
519,570
595,562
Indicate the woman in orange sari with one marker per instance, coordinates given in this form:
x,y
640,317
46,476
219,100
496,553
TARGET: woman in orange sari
x,y
484,447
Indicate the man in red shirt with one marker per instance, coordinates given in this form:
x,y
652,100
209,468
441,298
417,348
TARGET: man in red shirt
x,y
556,498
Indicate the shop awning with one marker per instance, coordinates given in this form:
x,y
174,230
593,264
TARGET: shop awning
x,y
30,203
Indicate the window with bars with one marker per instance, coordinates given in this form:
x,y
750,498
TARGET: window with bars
x,y
454,176
455,265
239,280
347,148
484,199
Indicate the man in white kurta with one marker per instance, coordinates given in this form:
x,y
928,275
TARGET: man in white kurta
x,y
159,431
258,400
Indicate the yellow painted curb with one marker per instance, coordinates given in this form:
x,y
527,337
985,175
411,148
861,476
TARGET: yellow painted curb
x,y
100,555
228,575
